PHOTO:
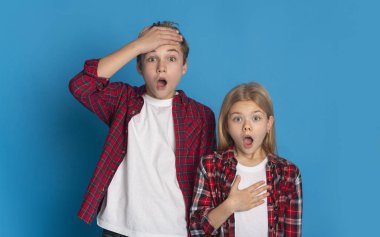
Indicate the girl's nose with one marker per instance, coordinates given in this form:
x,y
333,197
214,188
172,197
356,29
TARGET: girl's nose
x,y
247,127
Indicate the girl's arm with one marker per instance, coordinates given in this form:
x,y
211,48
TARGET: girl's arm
x,y
293,214
205,217
238,200
203,200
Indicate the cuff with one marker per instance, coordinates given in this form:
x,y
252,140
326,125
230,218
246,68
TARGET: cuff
x,y
91,69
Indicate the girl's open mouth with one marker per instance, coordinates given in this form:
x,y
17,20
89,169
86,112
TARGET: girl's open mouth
x,y
247,141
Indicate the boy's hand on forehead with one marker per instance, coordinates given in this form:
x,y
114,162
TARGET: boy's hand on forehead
x,y
151,38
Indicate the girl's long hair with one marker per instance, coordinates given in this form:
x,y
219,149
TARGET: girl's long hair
x,y
246,92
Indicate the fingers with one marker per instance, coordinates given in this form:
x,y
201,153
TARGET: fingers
x,y
165,38
259,190
256,204
256,185
160,31
154,37
235,185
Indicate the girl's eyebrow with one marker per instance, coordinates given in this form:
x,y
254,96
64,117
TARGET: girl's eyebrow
x,y
259,111
256,111
229,115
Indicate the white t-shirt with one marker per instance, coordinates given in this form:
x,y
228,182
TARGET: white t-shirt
x,y
253,222
144,198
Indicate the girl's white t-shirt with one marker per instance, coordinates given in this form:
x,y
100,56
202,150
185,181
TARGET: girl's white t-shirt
x,y
253,222
144,198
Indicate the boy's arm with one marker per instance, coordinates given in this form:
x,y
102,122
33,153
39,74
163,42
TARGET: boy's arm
x,y
208,136
91,86
149,39
96,93
293,214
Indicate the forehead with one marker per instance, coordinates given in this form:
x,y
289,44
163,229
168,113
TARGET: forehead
x,y
245,107
164,49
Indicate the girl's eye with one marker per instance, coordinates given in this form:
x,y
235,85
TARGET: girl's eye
x,y
256,118
237,119
172,59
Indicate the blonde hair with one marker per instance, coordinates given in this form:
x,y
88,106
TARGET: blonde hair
x,y
246,92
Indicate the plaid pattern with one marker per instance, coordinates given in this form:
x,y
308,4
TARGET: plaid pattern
x,y
216,174
115,104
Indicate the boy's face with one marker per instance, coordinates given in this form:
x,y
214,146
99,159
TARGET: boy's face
x,y
162,70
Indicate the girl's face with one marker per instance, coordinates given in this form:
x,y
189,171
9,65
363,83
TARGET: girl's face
x,y
248,125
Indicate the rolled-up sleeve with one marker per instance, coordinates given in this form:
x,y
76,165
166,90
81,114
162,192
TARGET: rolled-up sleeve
x,y
202,204
293,214
96,93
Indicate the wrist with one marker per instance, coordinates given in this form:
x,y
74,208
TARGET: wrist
x,y
229,205
137,47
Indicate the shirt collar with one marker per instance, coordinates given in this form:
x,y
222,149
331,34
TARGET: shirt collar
x,y
179,97
229,155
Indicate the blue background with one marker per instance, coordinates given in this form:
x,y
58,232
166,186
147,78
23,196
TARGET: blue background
x,y
318,59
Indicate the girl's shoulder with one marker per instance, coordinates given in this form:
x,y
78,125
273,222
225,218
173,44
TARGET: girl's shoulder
x,y
217,158
283,164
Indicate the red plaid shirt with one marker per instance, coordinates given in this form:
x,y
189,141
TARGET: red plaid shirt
x,y
116,103
216,174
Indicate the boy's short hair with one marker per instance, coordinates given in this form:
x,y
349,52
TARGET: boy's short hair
x,y
172,25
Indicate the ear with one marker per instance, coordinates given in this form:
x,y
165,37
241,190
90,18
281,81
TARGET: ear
x,y
270,123
138,68
184,68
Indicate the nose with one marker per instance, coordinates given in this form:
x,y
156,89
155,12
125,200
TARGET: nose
x,y
161,67
247,127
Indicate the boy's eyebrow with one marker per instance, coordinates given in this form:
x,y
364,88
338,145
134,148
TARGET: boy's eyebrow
x,y
169,50
173,50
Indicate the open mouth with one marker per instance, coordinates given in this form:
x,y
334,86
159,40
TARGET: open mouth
x,y
161,83
247,141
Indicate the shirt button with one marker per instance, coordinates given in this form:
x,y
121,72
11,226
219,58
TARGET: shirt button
x,y
133,111
113,171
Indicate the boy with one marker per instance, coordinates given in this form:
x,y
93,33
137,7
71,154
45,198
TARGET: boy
x,y
143,183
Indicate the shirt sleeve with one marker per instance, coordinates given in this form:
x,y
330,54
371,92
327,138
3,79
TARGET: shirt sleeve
x,y
202,205
293,215
96,93
208,136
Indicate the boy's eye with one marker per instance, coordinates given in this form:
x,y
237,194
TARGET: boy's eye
x,y
151,59
172,59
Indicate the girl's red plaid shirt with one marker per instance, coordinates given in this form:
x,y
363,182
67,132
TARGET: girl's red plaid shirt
x,y
216,174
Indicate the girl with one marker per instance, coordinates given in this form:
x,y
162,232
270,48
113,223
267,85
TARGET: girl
x,y
244,189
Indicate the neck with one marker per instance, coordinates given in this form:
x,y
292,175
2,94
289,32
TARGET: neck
x,y
250,159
